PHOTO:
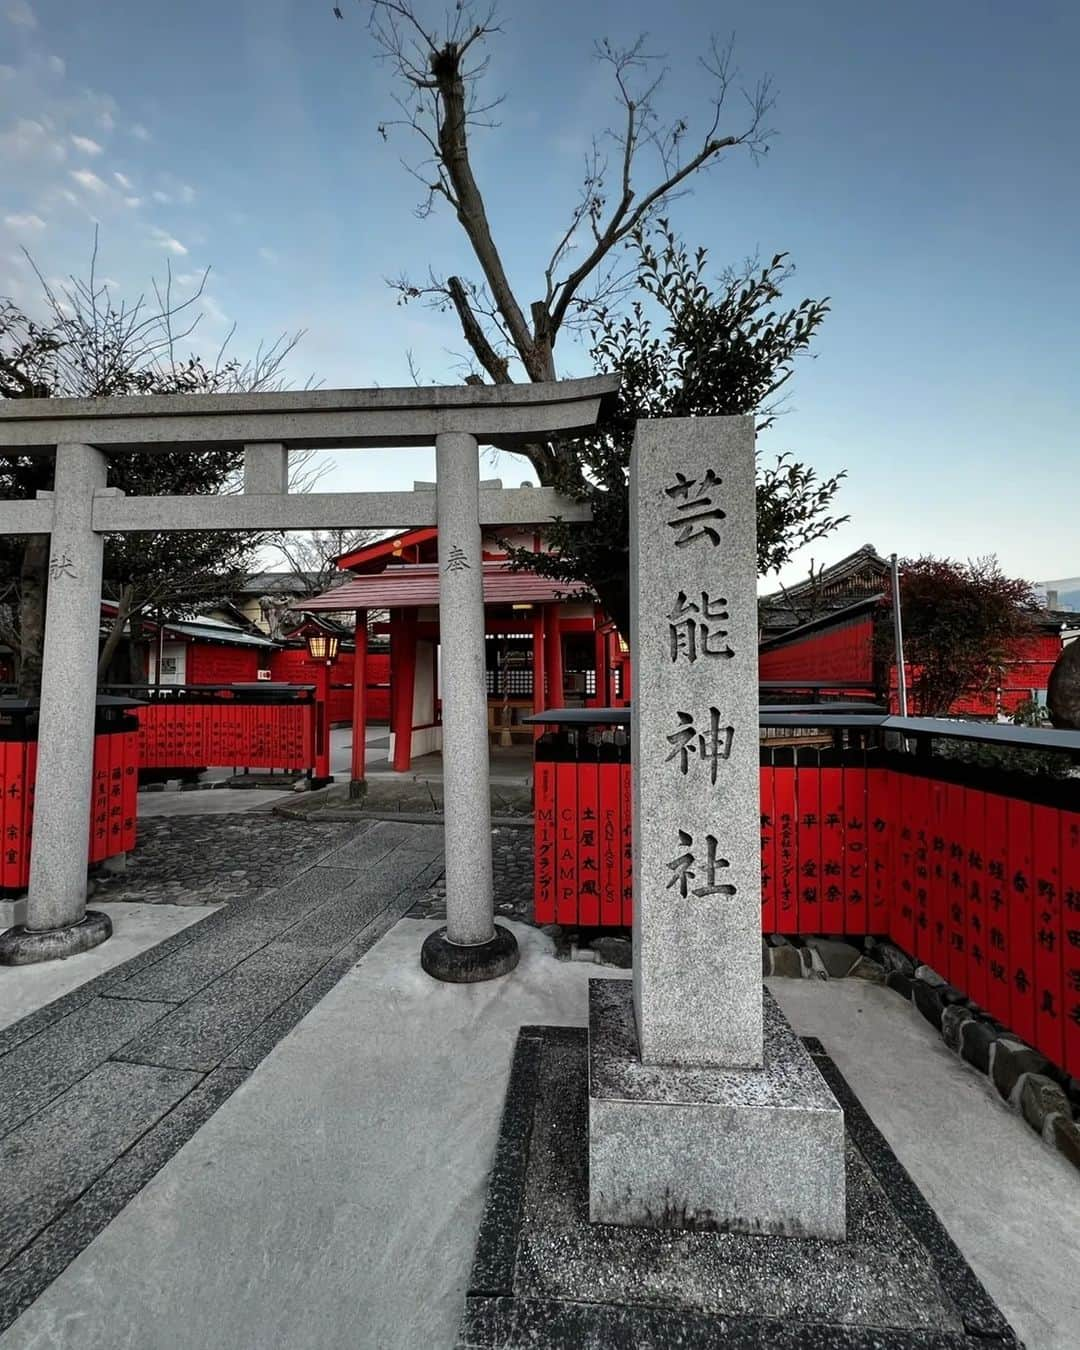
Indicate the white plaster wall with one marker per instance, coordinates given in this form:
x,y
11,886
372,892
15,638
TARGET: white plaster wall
x,y
175,652
426,739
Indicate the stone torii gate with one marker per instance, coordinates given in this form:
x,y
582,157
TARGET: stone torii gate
x,y
82,509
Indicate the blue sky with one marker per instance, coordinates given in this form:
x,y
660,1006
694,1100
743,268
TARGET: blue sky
x,y
924,176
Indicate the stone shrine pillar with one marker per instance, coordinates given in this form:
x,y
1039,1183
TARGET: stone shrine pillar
x,y
470,947
58,923
705,1110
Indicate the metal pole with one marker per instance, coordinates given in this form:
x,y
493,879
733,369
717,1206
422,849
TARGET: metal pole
x,y
898,631
470,948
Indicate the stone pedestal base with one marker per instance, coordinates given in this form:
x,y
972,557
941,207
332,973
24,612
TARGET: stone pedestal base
x,y
729,1150
24,946
448,961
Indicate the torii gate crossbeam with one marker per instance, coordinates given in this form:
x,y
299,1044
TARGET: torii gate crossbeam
x,y
83,433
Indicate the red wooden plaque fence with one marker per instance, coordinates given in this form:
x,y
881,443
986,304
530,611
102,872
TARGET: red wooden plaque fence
x,y
973,872
192,731
113,802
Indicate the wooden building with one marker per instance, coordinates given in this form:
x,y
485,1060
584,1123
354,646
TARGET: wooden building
x,y
823,632
543,649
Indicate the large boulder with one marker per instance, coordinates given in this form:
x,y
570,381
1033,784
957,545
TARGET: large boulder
x,y
1063,690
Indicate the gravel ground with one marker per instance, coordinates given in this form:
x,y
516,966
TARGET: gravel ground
x,y
512,856
196,860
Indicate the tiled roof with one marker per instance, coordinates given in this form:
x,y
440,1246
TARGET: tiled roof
x,y
414,584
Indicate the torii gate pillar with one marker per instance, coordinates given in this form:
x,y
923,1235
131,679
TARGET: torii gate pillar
x,y
58,923
471,947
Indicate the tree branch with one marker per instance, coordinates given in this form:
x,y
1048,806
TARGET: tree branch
x,y
496,366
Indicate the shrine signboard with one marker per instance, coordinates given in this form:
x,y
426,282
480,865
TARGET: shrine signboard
x,y
697,1085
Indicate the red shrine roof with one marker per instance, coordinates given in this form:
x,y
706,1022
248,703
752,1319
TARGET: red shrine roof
x,y
412,584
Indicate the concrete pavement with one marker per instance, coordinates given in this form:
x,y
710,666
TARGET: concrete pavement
x,y
333,1201
136,928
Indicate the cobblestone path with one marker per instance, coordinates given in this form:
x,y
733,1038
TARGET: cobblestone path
x,y
198,860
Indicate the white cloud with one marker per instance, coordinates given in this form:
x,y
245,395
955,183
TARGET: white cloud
x,y
162,197
107,120
89,180
124,181
140,132
86,145
188,278
268,255
30,139
57,65
25,222
20,14
168,243
133,202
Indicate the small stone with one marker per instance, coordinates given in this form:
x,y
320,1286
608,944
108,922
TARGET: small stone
x,y
953,1019
302,785
614,951
787,962
837,957
813,965
892,958
930,1001
1040,1098
1011,1059
1064,1134
553,930
976,1038
778,940
929,976
897,980
866,969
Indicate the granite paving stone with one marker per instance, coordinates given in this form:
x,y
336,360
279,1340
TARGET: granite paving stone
x,y
54,1156
181,976
115,1059
36,1022
335,922
310,888
200,1033
267,1034
383,838
33,1074
38,1265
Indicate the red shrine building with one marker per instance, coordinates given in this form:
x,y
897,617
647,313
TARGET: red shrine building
x,y
548,644
823,632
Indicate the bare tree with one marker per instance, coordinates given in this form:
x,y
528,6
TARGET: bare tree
x,y
630,172
89,344
310,557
